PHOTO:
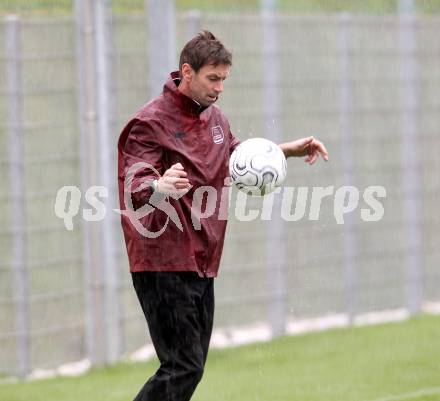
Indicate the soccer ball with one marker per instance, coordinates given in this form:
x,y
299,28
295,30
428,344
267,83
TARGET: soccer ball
x,y
257,166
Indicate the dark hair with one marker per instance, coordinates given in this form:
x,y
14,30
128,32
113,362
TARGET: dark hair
x,y
204,49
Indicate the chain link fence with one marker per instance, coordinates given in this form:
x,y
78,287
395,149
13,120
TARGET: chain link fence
x,y
368,87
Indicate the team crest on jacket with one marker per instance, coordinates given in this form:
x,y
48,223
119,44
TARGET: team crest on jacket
x,y
217,134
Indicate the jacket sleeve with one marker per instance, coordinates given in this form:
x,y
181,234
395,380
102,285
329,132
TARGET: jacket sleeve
x,y
233,142
140,155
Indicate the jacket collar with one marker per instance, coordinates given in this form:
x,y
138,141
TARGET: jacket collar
x,y
185,103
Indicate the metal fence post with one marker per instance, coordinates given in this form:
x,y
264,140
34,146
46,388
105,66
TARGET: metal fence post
x,y
85,34
410,155
193,25
17,178
347,131
107,177
161,17
272,109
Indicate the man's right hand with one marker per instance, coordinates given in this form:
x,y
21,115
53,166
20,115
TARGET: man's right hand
x,y
174,182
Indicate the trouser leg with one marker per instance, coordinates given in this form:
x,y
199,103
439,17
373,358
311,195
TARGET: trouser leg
x,y
207,313
179,310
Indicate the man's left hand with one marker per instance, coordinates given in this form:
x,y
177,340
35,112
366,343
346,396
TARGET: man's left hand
x,y
309,147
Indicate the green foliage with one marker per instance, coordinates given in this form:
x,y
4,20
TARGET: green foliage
x,y
35,6
346,364
330,6
291,6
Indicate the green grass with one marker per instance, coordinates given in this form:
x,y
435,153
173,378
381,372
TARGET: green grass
x,y
296,6
357,364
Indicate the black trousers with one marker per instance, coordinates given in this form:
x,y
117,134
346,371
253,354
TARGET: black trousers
x,y
179,308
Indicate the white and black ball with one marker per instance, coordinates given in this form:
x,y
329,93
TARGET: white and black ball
x,y
257,166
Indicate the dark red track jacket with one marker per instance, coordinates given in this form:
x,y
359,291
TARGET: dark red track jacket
x,y
173,128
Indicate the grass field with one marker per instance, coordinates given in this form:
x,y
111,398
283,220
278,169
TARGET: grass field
x,y
393,362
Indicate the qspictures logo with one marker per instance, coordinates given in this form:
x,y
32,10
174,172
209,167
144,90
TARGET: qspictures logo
x,y
293,203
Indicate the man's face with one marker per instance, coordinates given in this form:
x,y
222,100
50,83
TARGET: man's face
x,y
206,85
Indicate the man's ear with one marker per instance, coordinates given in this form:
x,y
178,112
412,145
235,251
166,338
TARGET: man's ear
x,y
187,72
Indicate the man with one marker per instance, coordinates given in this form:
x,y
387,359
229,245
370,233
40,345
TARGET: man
x,y
175,144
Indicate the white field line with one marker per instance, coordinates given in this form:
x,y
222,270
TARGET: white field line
x,y
412,395
431,308
258,332
261,332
